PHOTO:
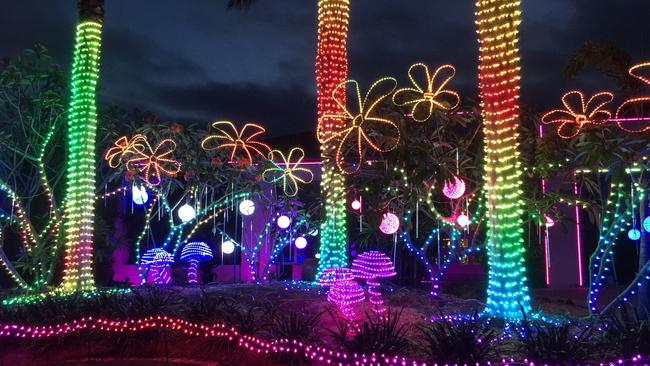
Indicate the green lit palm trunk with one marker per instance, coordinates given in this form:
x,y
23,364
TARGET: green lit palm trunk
x,y
498,23
80,144
331,70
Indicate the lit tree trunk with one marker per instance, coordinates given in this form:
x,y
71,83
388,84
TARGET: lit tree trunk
x,y
331,70
498,24
81,162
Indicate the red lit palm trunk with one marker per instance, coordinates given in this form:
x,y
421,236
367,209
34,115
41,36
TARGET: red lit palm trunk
x,y
331,70
498,24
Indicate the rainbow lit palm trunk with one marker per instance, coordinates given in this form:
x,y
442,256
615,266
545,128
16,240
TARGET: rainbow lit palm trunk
x,y
81,159
498,23
331,70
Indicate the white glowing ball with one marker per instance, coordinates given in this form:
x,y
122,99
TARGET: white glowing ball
x,y
301,242
389,223
246,207
356,205
317,256
634,234
227,247
462,220
549,221
284,221
186,212
139,195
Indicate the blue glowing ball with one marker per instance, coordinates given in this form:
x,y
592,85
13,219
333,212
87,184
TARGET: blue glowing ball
x,y
646,224
634,234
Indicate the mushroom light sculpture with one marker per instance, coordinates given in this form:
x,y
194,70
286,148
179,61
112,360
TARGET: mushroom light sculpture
x,y
344,291
372,266
195,253
158,260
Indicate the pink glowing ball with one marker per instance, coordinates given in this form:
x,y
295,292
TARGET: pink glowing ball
x,y
356,205
389,223
549,221
454,190
462,220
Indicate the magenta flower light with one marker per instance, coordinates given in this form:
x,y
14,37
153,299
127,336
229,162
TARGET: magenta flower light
x,y
195,253
372,266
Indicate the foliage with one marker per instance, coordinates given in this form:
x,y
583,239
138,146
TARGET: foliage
x,y
463,341
296,325
378,334
627,330
557,344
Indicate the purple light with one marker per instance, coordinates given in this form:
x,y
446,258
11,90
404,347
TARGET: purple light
x,y
158,260
389,223
454,190
371,266
194,253
344,291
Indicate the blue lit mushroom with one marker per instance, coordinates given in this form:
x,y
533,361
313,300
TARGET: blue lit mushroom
x,y
158,260
195,253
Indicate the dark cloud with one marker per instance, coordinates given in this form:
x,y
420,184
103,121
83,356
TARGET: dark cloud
x,y
195,61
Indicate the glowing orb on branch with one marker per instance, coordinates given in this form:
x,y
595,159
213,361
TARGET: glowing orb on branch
x,y
634,234
186,212
389,223
227,247
246,207
139,195
646,224
301,242
549,221
284,221
356,205
454,190
462,220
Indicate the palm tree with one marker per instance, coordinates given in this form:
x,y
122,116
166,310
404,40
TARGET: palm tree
x,y
79,199
331,70
498,24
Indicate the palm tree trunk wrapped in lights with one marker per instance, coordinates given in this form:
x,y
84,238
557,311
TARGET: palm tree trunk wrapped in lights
x,y
80,144
498,23
331,70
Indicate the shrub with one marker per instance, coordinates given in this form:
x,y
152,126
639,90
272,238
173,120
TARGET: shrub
x,y
557,344
378,334
627,332
466,341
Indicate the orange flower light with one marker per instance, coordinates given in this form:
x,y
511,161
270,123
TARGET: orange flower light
x,y
432,97
155,163
633,114
362,126
288,169
229,137
122,147
572,118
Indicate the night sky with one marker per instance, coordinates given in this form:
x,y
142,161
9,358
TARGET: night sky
x,y
194,61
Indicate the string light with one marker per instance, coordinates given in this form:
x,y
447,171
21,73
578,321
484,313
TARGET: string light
x,y
434,96
362,125
572,119
454,190
79,197
195,253
372,266
155,162
497,27
289,170
228,136
331,70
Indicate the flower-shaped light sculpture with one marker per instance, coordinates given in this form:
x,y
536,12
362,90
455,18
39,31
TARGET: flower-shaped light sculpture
x,y
155,162
578,113
633,115
289,170
363,127
229,137
433,96
123,147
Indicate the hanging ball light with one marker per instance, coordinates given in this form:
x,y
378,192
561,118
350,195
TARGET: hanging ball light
x,y
549,221
186,212
301,242
462,220
246,207
389,223
634,234
454,190
227,247
356,205
284,221
646,224
139,195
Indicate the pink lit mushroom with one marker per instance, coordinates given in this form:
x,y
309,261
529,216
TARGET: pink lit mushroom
x,y
344,291
371,266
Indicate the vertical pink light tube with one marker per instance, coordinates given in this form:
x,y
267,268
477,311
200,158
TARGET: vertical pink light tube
x,y
547,243
578,234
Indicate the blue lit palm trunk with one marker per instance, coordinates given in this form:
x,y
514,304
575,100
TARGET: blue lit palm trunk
x,y
81,161
498,24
